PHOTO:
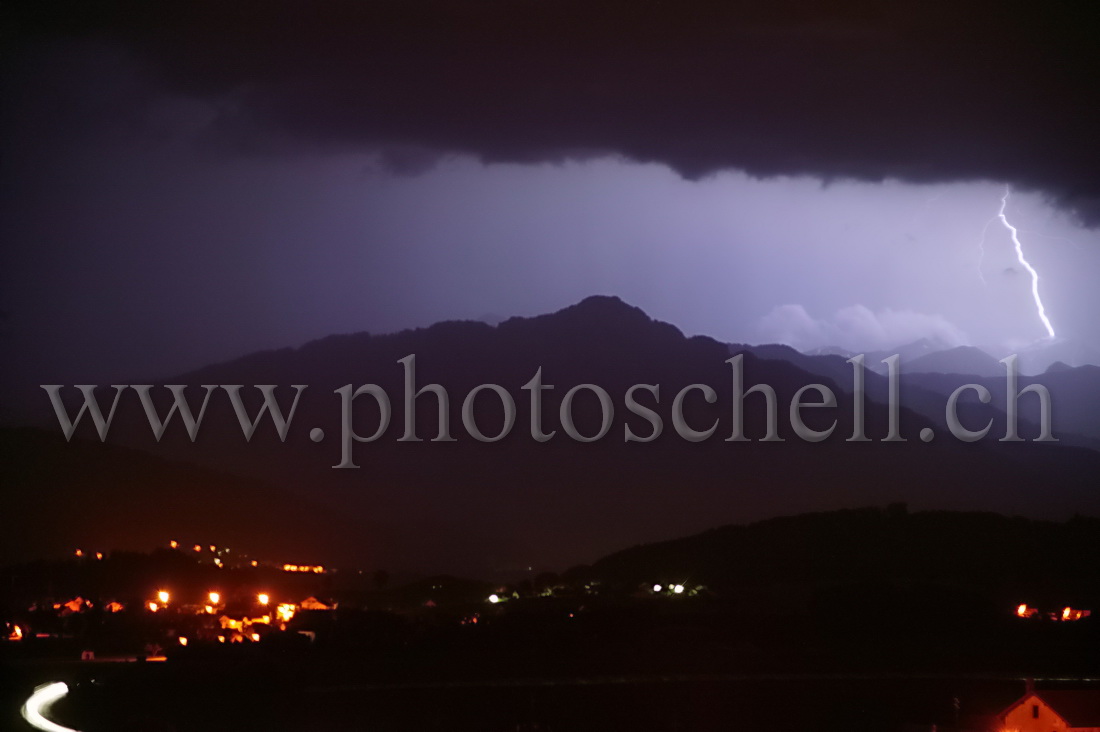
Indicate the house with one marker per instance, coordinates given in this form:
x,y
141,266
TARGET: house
x,y
1052,711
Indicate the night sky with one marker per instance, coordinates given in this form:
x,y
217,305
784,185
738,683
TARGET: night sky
x,y
187,182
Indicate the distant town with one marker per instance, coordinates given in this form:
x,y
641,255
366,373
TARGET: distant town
x,y
727,608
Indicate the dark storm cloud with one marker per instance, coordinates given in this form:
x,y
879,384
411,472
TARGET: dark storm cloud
x,y
920,91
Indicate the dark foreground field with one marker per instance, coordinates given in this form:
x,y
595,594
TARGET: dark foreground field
x,y
213,696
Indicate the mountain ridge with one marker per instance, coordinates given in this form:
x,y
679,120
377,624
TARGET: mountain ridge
x,y
471,508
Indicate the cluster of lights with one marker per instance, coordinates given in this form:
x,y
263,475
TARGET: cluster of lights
x,y
676,589
213,599
309,568
199,548
79,554
284,611
255,638
1067,614
76,605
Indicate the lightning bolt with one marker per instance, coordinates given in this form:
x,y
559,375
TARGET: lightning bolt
x,y
1023,261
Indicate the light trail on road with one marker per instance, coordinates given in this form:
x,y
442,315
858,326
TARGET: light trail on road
x,y
40,701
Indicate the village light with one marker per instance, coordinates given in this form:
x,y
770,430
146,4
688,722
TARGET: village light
x,y
197,548
174,544
263,598
494,599
678,589
163,597
153,607
183,640
215,598
657,588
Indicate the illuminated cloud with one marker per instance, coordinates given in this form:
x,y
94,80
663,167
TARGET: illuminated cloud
x,y
857,328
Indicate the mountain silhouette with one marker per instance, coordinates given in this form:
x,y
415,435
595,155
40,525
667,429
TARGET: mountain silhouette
x,y
488,509
1017,558
1074,393
959,360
